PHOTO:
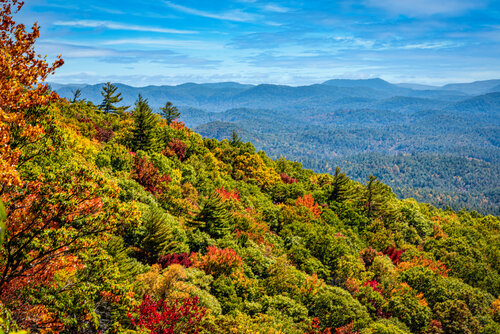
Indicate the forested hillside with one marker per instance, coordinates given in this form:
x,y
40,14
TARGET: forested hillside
x,y
355,124
129,222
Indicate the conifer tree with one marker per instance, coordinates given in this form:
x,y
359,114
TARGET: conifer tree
x,y
158,238
110,98
214,217
235,139
377,197
76,95
144,126
339,186
170,112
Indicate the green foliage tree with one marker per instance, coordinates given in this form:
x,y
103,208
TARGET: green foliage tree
x,y
235,139
110,98
145,123
169,112
214,217
339,186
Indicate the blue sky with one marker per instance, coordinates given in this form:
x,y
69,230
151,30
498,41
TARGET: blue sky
x,y
284,42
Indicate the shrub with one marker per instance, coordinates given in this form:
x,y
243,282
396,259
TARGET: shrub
x,y
182,316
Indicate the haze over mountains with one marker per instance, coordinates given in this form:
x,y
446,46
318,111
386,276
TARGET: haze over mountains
x,y
332,93
437,144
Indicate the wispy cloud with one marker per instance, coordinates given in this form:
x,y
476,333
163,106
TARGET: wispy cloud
x,y
231,15
163,42
414,8
276,8
119,26
128,56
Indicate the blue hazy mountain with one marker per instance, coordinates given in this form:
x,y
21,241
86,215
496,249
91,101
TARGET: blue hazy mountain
x,y
474,88
216,97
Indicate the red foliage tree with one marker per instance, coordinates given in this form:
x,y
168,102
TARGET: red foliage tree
x,y
307,201
177,147
104,133
315,328
159,317
225,194
182,259
287,179
394,254
347,329
217,261
148,176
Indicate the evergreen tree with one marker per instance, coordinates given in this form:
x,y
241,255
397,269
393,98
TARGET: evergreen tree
x,y
144,126
377,197
338,188
170,112
76,95
110,99
214,217
158,237
235,139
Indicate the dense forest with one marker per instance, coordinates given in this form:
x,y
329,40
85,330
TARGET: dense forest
x,y
355,124
122,220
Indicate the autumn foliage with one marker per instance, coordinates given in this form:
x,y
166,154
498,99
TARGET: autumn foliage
x,y
176,147
161,317
148,176
22,73
307,201
218,261
225,194
169,259
287,179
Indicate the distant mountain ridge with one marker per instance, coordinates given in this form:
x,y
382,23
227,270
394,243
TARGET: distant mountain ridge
x,y
335,93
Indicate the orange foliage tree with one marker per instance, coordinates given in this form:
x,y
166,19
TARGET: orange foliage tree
x,y
21,88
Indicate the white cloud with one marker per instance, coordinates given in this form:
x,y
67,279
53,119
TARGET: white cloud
x,y
276,8
163,42
119,26
232,15
417,8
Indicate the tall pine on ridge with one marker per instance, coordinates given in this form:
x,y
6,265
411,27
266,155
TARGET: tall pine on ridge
x,y
110,99
169,112
144,126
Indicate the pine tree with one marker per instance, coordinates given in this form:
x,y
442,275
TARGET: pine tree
x,y
338,188
377,197
110,99
158,238
170,112
144,137
76,95
235,139
214,217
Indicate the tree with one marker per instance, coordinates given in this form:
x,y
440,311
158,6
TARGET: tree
x,y
377,197
161,317
235,139
110,98
21,88
76,95
338,187
170,112
144,126
214,217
